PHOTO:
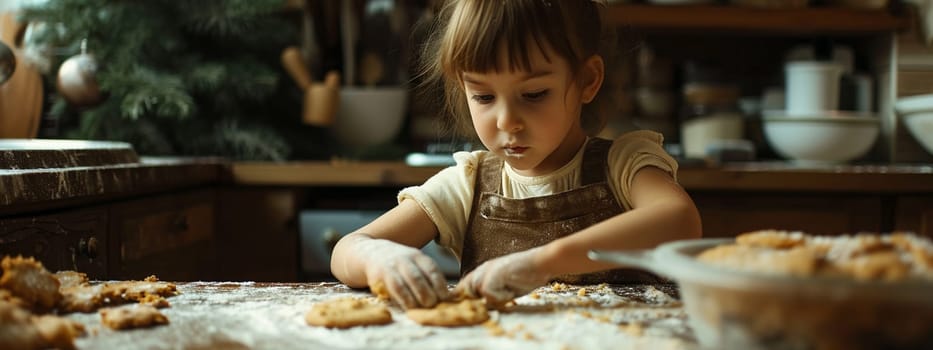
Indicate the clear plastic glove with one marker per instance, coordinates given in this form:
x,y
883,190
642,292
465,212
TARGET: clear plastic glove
x,y
504,278
410,277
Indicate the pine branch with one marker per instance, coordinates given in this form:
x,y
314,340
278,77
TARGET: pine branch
x,y
227,18
145,92
231,139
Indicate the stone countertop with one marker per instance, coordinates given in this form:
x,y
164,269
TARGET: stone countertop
x,y
210,315
23,189
758,176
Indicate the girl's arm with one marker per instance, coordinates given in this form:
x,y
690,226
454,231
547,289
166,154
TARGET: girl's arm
x,y
662,211
388,250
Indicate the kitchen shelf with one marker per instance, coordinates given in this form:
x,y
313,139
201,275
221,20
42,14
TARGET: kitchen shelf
x,y
745,20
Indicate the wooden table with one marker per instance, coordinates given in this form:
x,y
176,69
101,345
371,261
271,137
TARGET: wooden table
x,y
249,315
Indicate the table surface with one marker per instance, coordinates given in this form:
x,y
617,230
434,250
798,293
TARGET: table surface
x,y
249,315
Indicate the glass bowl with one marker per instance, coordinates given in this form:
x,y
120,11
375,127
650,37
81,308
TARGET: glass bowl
x,y
731,309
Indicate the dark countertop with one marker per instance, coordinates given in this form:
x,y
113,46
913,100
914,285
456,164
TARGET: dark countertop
x,y
53,174
209,315
785,176
43,174
758,176
26,189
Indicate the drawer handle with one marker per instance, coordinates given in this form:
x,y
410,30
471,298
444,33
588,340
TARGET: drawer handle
x,y
180,224
88,247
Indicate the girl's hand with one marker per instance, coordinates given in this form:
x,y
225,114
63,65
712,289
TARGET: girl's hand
x,y
410,277
504,278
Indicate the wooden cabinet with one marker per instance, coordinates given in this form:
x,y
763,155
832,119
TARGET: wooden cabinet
x,y
68,240
168,235
914,213
171,236
258,238
726,215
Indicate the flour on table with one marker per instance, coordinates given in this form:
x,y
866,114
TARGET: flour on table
x,y
271,316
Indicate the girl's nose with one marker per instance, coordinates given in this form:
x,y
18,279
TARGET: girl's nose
x,y
508,120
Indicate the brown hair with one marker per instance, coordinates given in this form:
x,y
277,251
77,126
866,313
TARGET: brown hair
x,y
466,35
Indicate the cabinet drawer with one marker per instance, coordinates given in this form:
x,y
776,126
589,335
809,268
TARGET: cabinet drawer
x,y
72,240
162,232
915,214
726,215
170,236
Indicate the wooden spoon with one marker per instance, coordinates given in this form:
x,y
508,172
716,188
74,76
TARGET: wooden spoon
x,y
295,66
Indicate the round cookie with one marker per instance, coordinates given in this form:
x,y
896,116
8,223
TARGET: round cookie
x,y
348,312
466,312
132,316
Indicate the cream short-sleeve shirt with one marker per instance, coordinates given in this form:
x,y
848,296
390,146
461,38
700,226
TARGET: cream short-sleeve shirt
x,y
447,197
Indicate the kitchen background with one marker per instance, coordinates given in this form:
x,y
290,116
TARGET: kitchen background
x,y
296,80
311,106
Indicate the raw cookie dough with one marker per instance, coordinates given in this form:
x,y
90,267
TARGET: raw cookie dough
x,y
69,278
772,239
7,296
466,312
132,316
348,312
28,280
22,330
57,332
380,291
136,290
82,298
862,256
87,298
797,261
154,300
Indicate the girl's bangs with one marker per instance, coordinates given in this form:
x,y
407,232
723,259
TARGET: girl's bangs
x,y
478,31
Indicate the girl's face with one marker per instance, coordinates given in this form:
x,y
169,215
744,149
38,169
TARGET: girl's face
x,y
529,118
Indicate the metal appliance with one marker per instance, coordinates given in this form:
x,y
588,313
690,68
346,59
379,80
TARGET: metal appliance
x,y
321,229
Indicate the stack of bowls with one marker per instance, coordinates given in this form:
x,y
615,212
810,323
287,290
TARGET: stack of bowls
x,y
811,130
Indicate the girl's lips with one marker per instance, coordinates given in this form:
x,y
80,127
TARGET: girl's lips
x,y
515,150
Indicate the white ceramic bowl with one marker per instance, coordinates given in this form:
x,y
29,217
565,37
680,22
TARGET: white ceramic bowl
x,y
917,114
821,140
369,116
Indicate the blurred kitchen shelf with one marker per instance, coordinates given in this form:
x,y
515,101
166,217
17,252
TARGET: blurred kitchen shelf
x,y
805,21
294,5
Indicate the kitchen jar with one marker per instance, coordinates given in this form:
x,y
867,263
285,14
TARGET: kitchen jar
x,y
710,115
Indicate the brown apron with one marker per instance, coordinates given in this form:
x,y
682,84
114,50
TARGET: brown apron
x,y
500,225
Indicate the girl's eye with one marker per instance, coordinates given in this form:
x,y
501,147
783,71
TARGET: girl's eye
x,y
535,96
483,99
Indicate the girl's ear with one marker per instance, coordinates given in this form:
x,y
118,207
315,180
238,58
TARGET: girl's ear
x,y
594,70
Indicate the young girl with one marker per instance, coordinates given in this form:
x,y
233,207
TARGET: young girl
x,y
527,211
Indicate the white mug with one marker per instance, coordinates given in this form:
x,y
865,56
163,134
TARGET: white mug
x,y
812,87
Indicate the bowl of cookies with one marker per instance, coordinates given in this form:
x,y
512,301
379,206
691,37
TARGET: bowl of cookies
x,y
774,289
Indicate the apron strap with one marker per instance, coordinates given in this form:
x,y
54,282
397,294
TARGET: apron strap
x,y
594,169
